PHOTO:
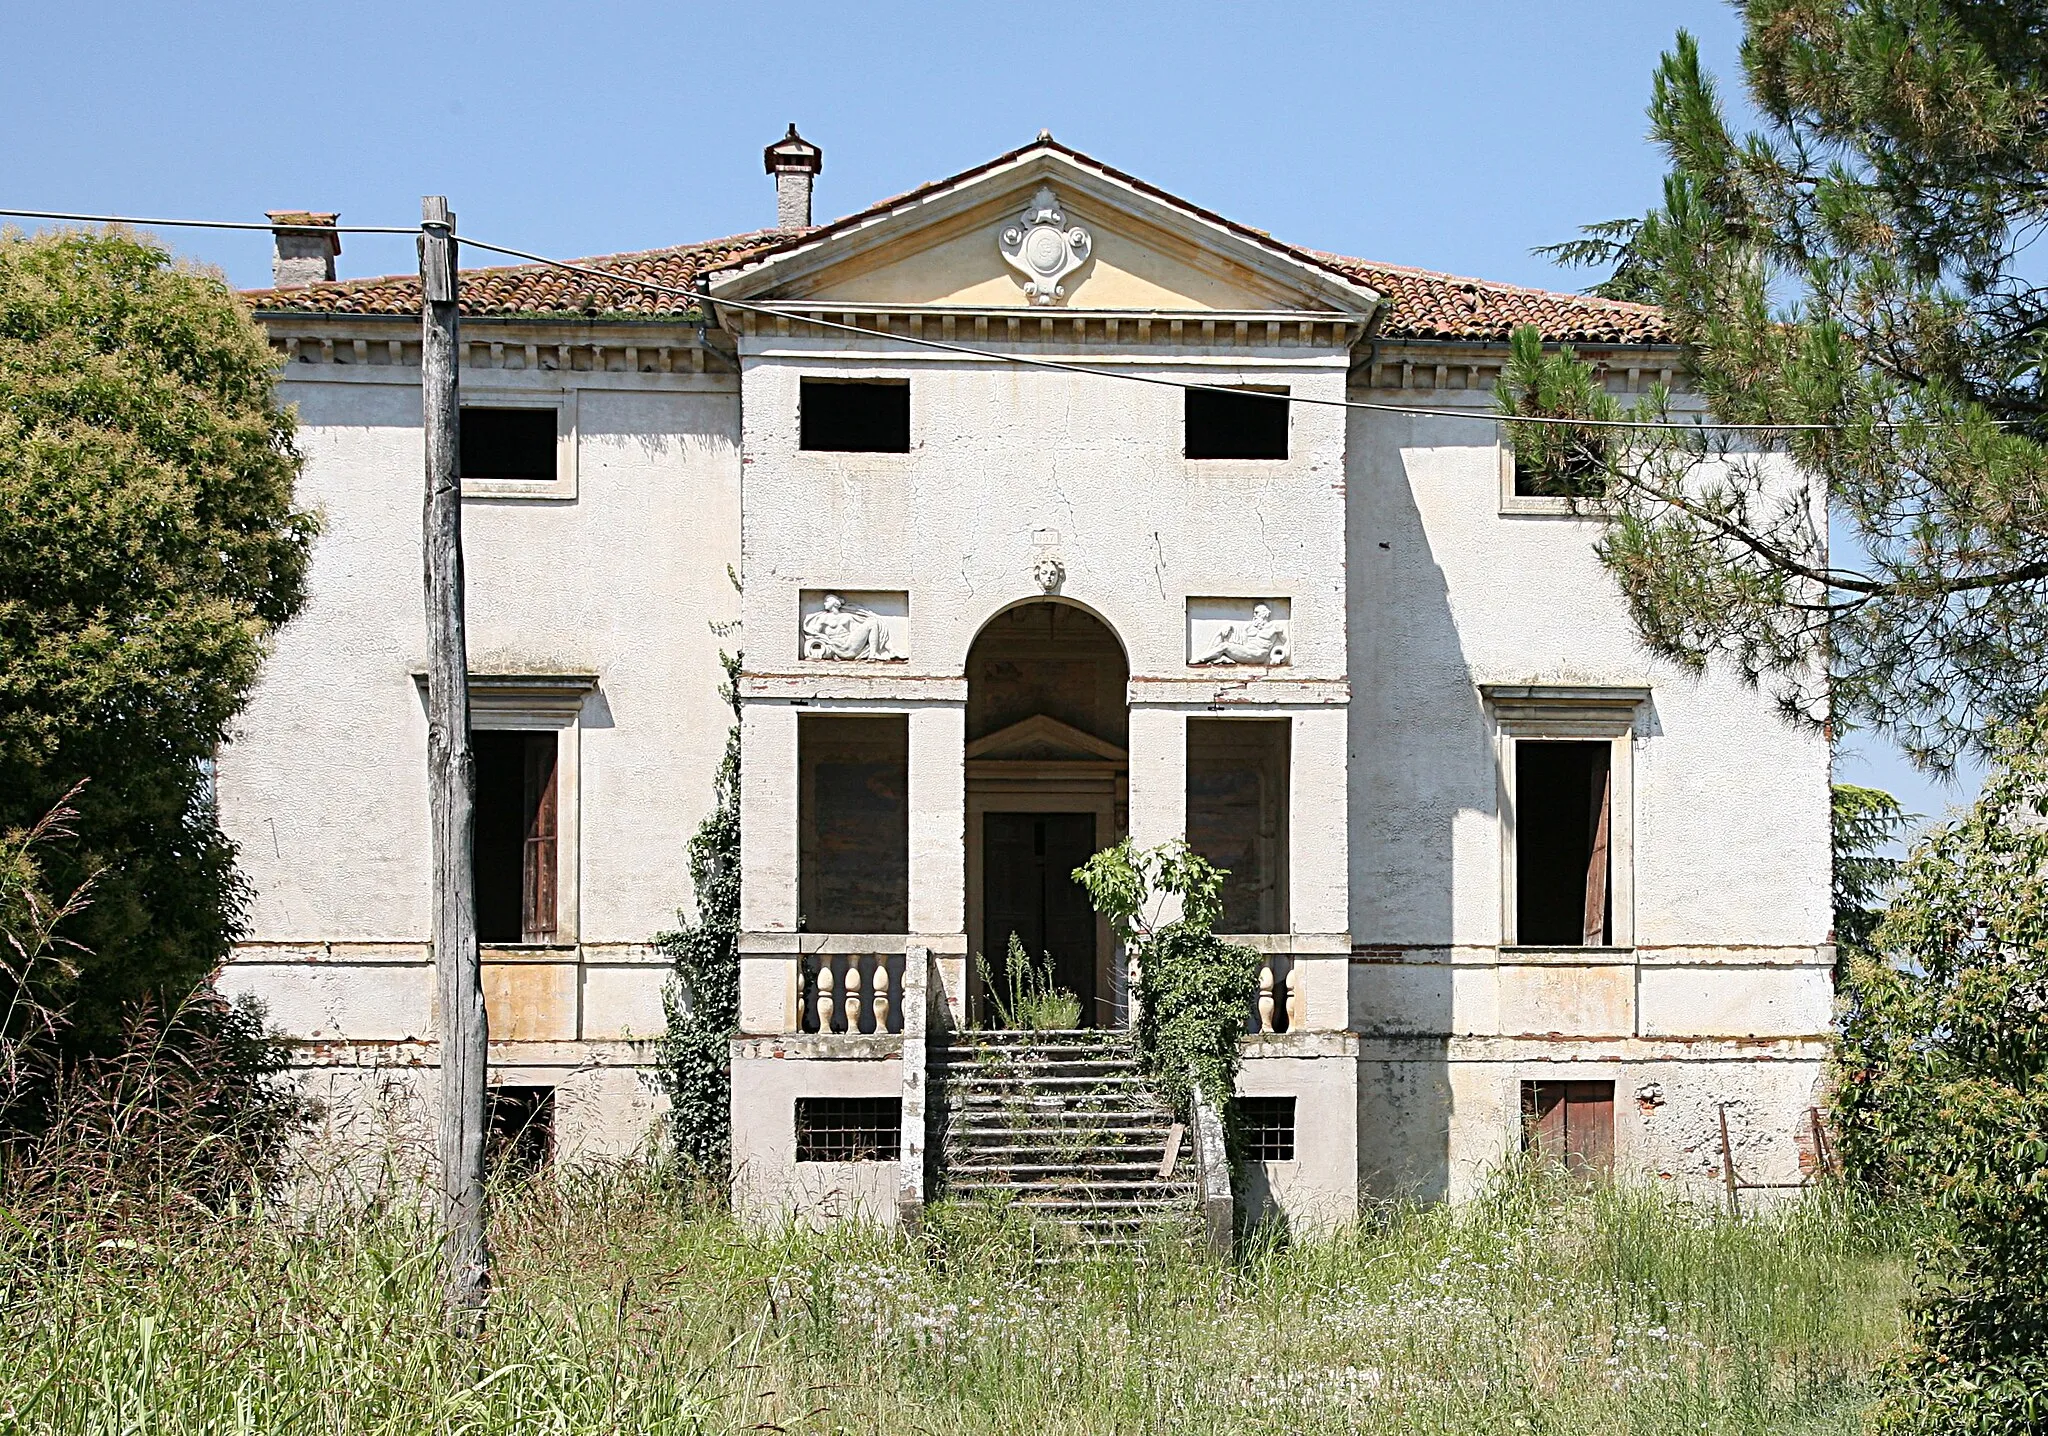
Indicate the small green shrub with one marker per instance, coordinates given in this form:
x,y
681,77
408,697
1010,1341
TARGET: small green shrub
x,y
1024,998
1194,989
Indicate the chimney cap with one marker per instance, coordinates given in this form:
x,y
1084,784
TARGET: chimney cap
x,y
793,152
306,222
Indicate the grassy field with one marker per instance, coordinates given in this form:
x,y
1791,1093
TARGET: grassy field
x,y
1542,1308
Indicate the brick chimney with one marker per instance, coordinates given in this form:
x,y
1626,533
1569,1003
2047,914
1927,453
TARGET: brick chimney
x,y
306,246
794,161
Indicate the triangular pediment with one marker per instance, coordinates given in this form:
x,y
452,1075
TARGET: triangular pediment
x,y
1040,739
942,246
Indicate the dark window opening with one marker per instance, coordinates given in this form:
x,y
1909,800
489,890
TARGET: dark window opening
x,y
508,443
1570,1123
849,1129
514,850
1559,463
1241,424
1562,830
1267,1124
1237,815
854,417
522,1134
853,823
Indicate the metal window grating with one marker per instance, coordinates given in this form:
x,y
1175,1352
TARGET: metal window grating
x,y
848,1129
1268,1127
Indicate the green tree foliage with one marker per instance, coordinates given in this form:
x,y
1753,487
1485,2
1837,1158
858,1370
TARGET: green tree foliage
x,y
1863,822
702,998
1194,989
149,550
1943,1096
1861,262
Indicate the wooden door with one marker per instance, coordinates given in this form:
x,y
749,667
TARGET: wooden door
x,y
1028,888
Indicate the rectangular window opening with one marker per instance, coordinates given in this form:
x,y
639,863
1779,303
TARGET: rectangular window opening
x,y
853,823
1562,831
508,443
849,1129
1238,780
1247,423
1268,1127
1570,1123
849,416
513,859
522,1129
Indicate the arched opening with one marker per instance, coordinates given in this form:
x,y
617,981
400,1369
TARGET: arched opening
x,y
1047,785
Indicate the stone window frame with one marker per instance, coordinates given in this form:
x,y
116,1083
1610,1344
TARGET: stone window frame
x,y
1569,713
1553,505
533,703
563,487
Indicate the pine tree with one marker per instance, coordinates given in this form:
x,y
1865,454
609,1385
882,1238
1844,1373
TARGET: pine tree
x,y
1860,262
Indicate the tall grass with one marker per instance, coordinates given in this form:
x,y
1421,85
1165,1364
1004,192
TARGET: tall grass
x,y
625,1304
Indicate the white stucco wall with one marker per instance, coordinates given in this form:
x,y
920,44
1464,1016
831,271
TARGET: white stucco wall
x,y
323,788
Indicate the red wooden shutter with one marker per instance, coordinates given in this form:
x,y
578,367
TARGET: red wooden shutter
x,y
538,878
1588,1126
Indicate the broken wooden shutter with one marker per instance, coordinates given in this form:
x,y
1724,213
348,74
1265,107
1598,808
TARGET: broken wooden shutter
x,y
538,878
1571,1123
1596,859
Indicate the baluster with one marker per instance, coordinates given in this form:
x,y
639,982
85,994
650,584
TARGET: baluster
x,y
1131,991
806,997
1266,995
828,999
856,1006
1297,1014
885,1006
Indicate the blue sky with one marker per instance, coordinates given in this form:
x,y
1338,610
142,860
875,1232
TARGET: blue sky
x,y
1453,135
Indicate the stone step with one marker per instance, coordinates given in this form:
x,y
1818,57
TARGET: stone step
x,y
1097,1196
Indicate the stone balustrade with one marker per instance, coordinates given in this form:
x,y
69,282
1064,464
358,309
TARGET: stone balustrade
x,y
1279,1006
852,993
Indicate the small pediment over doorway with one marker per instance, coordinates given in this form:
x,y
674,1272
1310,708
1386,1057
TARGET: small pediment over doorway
x,y
1040,739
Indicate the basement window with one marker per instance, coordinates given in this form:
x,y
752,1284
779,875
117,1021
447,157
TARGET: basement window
x,y
854,416
515,445
1267,1124
1247,423
1570,1123
853,823
514,860
1237,815
1563,831
849,1129
522,1130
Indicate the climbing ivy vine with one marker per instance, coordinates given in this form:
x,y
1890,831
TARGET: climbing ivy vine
x,y
1194,988
702,997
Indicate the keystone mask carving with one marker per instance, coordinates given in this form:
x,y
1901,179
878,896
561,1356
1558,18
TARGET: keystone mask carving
x,y
1040,245
1049,574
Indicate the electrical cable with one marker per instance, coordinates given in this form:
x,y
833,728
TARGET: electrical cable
x,y
704,297
208,223
1101,371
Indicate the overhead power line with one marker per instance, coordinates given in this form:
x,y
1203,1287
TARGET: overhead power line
x,y
207,223
1095,370
1106,372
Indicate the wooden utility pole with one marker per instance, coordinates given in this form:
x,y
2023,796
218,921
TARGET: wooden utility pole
x,y
451,786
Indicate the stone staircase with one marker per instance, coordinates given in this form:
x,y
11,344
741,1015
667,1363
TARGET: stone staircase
x,y
1063,1127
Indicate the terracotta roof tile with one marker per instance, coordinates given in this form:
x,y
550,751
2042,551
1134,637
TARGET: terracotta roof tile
x,y
1424,304
1427,305
519,289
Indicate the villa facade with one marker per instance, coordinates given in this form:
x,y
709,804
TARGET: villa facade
x,y
1513,879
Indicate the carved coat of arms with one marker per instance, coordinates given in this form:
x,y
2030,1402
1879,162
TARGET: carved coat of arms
x,y
1040,245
